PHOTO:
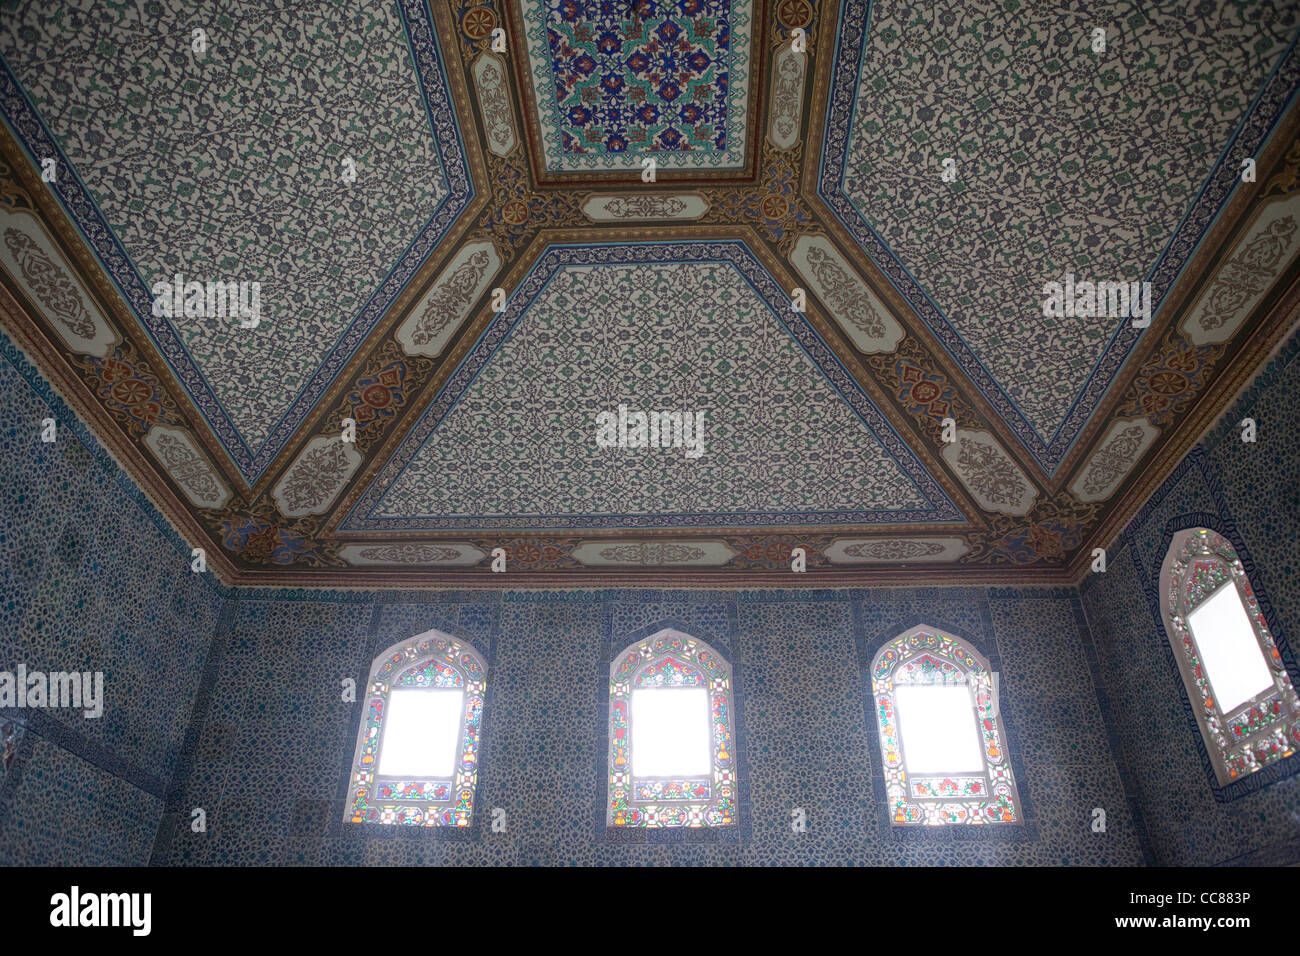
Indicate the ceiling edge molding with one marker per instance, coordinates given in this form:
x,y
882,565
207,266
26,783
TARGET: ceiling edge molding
x,y
1251,359
14,163
1216,247
1217,402
126,454
590,579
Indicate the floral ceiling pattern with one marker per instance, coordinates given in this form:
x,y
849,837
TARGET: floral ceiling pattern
x,y
385,290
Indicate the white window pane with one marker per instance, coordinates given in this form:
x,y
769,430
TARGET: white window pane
x,y
937,722
421,733
1229,649
670,732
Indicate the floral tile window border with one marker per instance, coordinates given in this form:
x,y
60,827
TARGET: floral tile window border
x,y
434,660
1262,730
926,655
671,658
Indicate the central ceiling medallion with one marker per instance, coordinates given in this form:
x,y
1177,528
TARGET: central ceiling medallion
x,y
614,83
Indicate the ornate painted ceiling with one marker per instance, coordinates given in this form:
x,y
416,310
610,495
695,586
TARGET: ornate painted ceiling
x,y
819,236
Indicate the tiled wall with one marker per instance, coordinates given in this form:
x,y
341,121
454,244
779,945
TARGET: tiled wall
x,y
1252,493
91,579
270,764
232,704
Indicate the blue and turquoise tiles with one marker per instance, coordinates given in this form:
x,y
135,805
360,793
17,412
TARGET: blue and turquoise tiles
x,y
91,579
1094,709
801,720
1243,489
65,811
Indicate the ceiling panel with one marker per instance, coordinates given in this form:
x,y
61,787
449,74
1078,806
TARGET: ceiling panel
x,y
613,86
229,165
681,328
1104,165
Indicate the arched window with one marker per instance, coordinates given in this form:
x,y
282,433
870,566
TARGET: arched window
x,y
1240,691
671,760
416,760
944,755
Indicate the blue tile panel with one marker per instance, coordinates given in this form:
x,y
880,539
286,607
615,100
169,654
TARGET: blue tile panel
x,y
1251,494
91,579
230,701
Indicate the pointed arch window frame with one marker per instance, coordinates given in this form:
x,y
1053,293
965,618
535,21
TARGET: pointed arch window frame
x,y
1256,741
913,814
431,659
627,816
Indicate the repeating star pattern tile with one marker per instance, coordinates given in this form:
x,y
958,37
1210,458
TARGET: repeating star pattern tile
x,y
616,82
680,68
234,173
